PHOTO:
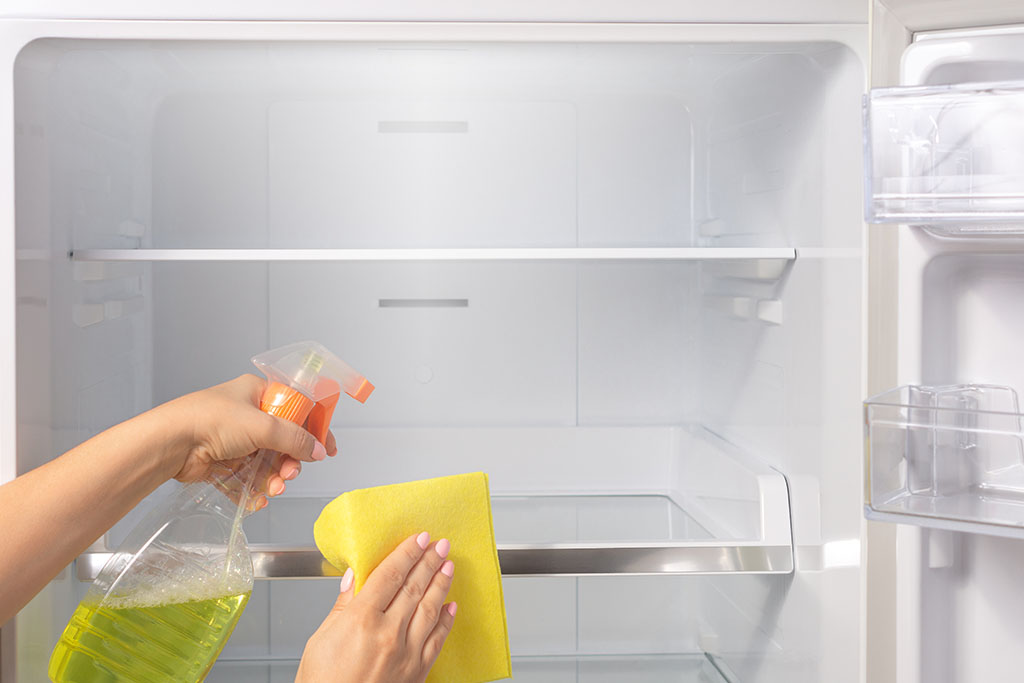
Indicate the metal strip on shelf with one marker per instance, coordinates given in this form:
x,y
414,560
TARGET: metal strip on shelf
x,y
308,563
720,559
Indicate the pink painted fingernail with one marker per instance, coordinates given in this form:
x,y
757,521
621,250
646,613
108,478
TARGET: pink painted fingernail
x,y
448,568
453,607
276,488
423,540
442,547
294,472
319,452
346,580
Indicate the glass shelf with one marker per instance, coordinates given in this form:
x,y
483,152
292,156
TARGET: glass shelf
x,y
536,535
946,457
947,156
485,254
667,668
701,507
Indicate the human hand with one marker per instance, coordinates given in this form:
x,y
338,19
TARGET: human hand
x,y
394,629
223,427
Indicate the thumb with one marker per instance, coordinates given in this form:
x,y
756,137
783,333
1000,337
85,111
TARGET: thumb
x,y
345,593
287,437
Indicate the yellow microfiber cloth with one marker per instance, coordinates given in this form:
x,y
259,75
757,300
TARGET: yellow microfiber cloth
x,y
360,528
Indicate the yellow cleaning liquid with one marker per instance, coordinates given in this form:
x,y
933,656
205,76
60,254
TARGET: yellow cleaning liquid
x,y
173,642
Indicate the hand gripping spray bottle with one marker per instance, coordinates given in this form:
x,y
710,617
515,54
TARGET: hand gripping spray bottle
x,y
165,603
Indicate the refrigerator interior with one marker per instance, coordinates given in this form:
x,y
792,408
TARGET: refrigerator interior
x,y
620,377
959,290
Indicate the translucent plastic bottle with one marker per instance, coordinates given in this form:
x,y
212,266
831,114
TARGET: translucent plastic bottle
x,y
166,602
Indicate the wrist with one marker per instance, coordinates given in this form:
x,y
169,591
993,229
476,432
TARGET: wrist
x,y
172,436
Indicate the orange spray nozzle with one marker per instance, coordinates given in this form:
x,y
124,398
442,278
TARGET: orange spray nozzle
x,y
306,381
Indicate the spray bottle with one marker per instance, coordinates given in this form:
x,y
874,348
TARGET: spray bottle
x,y
164,605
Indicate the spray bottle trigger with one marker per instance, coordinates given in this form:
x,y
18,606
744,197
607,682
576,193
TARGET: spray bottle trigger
x,y
319,420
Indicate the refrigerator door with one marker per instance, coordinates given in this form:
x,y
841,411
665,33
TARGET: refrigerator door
x,y
943,454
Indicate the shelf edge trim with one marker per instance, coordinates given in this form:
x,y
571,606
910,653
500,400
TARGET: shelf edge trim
x,y
308,563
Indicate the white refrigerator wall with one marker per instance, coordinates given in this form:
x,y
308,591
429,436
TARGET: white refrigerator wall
x,y
750,139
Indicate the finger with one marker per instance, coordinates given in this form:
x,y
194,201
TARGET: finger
x,y
331,444
386,580
276,481
432,648
289,468
345,592
268,466
427,613
416,584
275,485
280,435
268,476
